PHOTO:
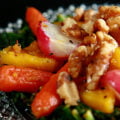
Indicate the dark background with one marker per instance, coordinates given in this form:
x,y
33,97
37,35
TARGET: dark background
x,y
10,10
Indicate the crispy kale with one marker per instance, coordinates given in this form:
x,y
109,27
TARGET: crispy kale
x,y
63,112
24,36
81,112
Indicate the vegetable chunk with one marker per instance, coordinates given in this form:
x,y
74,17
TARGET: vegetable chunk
x,y
102,100
22,79
33,16
26,60
47,100
115,61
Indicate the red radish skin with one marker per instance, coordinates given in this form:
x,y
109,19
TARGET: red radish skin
x,y
33,16
53,42
111,78
44,41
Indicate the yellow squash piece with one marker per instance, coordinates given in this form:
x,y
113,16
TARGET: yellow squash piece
x,y
30,59
102,100
115,61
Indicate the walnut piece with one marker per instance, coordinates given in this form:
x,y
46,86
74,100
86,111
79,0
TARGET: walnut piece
x,y
88,27
71,28
89,15
100,25
100,62
79,13
76,59
79,56
106,12
67,89
113,21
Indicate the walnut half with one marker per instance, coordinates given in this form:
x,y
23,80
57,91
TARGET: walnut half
x,y
67,89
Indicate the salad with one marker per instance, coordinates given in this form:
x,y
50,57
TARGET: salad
x,y
68,69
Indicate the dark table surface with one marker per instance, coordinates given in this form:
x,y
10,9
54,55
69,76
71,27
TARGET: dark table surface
x,y
12,9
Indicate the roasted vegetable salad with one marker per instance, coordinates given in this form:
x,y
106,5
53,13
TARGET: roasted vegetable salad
x,y
68,69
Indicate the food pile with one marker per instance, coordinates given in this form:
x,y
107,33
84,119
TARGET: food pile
x,y
71,61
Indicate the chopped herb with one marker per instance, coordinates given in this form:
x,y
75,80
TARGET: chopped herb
x,y
88,115
60,18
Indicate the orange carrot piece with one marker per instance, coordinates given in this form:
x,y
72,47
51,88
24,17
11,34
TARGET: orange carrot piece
x,y
22,79
47,100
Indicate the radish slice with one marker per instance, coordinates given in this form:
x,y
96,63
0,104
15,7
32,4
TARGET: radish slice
x,y
53,42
